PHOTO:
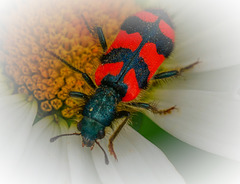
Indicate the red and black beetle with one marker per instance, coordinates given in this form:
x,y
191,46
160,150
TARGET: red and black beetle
x,y
144,41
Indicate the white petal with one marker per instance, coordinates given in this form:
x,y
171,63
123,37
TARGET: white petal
x,y
208,30
42,161
16,117
6,86
139,161
81,164
208,115
195,165
208,102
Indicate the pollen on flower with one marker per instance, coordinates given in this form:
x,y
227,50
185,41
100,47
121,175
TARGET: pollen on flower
x,y
78,85
70,81
25,70
46,106
70,102
68,112
61,30
62,95
23,90
53,73
41,86
56,103
30,84
50,93
65,71
38,94
37,78
43,72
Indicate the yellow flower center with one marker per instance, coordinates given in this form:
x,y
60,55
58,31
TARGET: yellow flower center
x,y
59,27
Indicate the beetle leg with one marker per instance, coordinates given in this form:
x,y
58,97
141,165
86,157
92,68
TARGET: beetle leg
x,y
99,32
101,38
152,108
174,72
120,114
76,94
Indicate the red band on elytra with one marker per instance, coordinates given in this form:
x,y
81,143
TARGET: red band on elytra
x,y
146,16
167,30
151,58
133,88
125,40
105,69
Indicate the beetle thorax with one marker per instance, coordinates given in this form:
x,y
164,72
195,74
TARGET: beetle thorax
x,y
98,113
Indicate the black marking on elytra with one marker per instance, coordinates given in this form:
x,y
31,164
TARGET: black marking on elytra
x,y
137,63
150,32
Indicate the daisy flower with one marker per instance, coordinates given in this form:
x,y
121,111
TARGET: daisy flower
x,y
35,104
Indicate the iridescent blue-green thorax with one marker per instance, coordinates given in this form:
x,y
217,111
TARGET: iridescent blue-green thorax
x,y
98,113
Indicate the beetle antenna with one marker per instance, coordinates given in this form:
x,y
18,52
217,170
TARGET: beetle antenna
x,y
105,154
58,136
63,61
85,21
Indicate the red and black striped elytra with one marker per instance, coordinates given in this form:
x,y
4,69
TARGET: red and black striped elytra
x,y
144,41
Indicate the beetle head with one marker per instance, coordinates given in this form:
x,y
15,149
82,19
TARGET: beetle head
x,y
90,130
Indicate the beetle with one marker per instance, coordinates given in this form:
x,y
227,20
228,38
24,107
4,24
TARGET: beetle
x,y
144,41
